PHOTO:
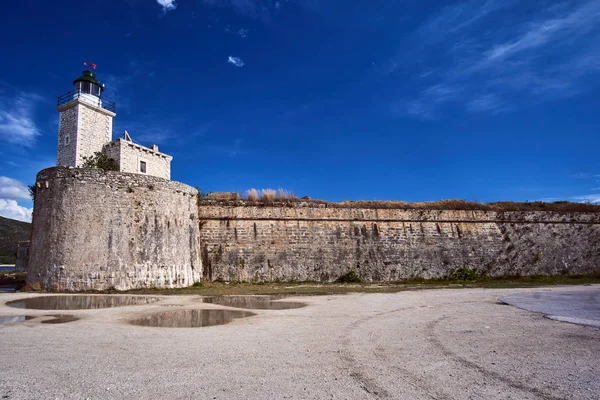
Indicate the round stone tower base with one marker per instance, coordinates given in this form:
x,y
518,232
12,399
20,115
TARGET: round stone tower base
x,y
97,230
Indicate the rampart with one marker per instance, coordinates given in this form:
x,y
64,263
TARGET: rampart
x,y
97,230
305,241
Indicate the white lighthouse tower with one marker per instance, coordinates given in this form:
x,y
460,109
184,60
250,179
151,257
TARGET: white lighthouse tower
x,y
85,128
85,122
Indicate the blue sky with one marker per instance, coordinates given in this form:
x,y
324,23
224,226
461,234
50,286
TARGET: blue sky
x,y
338,100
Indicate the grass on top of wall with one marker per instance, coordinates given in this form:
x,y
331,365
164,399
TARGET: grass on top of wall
x,y
460,205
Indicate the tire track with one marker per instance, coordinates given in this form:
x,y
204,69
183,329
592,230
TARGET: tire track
x,y
369,385
432,338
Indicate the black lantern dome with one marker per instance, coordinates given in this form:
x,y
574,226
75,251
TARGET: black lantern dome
x,y
88,84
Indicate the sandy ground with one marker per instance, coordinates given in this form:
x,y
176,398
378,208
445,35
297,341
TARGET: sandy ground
x,y
431,344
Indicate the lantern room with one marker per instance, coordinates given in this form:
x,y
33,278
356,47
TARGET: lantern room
x,y
87,84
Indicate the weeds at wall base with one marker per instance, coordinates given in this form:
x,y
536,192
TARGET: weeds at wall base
x,y
307,288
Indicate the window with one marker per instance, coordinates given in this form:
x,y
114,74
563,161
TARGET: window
x,y
85,87
67,140
143,167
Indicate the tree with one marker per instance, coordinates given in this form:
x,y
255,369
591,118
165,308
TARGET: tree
x,y
100,160
32,189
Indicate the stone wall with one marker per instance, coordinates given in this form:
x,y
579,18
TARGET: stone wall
x,y
129,155
67,138
88,129
96,230
22,256
318,243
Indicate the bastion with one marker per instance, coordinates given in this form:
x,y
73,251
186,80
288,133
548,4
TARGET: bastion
x,y
99,230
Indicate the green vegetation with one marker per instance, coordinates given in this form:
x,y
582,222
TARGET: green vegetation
x,y
100,160
314,288
457,205
465,274
32,189
11,233
349,277
200,196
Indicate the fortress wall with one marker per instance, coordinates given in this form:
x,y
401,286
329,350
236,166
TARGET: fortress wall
x,y
319,243
96,230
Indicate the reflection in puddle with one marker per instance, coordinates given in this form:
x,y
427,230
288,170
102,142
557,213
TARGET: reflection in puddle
x,y
60,319
252,302
74,302
190,318
14,319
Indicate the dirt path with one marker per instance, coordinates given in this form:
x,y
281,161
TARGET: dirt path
x,y
432,344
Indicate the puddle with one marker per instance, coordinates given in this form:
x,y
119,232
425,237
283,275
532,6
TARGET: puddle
x,y
14,319
252,302
60,319
190,318
82,302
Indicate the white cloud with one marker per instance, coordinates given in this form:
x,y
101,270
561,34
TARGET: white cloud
x,y
546,31
13,189
11,209
485,102
241,32
16,119
541,55
588,198
167,5
235,61
256,9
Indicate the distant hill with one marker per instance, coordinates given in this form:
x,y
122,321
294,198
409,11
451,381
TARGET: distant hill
x,y
12,232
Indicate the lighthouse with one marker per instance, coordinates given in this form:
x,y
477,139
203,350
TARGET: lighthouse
x,y
85,128
85,120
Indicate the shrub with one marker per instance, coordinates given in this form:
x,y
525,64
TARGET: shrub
x,y
100,160
465,274
350,277
200,196
252,194
32,189
268,195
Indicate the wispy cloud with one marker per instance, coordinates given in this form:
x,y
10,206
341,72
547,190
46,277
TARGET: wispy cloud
x,y
492,67
587,198
13,189
585,175
262,10
17,123
11,209
167,5
241,32
238,62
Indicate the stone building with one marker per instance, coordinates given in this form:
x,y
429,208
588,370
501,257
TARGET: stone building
x,y
85,128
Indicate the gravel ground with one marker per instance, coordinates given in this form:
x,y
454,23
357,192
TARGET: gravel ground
x,y
428,344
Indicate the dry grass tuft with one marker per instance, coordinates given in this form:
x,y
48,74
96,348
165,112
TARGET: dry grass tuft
x,y
252,194
285,194
268,195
